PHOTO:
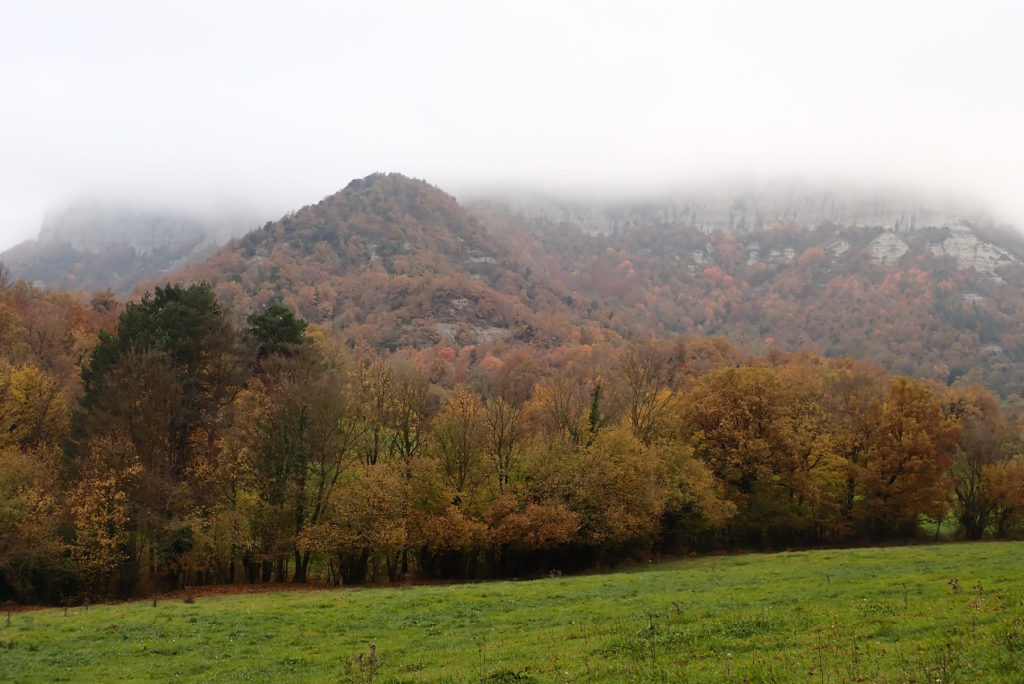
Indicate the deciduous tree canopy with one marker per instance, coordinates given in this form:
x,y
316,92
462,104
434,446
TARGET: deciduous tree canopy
x,y
198,452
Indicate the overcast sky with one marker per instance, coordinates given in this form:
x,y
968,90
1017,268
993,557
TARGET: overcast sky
x,y
271,106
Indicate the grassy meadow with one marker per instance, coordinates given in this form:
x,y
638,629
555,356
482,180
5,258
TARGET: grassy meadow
x,y
938,613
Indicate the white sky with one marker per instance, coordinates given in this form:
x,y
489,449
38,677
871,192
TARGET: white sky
x,y
271,106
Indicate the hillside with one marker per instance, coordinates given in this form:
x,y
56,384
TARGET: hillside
x,y
395,262
191,449
922,292
390,260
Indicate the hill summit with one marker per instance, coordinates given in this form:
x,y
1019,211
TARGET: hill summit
x,y
392,260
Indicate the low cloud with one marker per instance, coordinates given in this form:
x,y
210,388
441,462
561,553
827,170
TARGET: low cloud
x,y
269,108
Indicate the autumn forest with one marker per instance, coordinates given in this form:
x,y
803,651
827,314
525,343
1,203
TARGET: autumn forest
x,y
172,442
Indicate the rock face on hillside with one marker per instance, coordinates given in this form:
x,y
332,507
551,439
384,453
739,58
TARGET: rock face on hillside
x,y
890,219
744,211
962,246
969,252
927,292
887,249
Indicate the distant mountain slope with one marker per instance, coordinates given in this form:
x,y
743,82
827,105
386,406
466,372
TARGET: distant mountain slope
x,y
390,260
924,292
105,245
396,262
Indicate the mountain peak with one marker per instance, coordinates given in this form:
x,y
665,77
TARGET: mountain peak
x,y
380,216
393,260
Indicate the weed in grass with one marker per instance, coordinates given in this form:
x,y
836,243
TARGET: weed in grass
x,y
364,666
821,664
855,660
652,635
976,603
508,675
903,664
949,657
481,658
747,627
955,583
1013,636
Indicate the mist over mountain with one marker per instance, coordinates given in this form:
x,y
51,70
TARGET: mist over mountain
x,y
741,208
97,245
925,292
924,286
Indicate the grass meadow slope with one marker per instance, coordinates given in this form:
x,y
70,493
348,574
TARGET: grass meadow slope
x,y
942,613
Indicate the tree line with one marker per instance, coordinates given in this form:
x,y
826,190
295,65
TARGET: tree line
x,y
192,450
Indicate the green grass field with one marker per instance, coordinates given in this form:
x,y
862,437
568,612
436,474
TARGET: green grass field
x,y
879,614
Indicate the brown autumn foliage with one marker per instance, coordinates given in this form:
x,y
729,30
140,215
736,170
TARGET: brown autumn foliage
x,y
200,452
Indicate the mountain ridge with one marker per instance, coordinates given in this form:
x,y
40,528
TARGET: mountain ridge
x,y
939,302
394,262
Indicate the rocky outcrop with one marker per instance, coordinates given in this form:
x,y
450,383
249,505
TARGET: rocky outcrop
x,y
838,248
746,211
900,225
887,249
969,252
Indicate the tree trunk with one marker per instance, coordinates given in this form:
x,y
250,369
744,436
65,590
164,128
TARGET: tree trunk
x,y
301,566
